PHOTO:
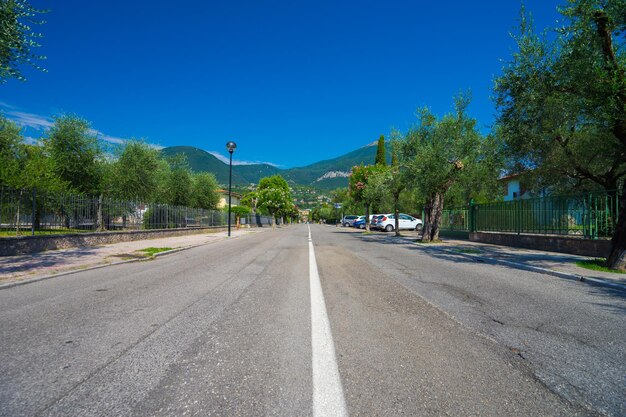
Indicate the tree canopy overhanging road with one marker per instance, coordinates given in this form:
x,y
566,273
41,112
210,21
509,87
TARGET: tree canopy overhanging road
x,y
311,320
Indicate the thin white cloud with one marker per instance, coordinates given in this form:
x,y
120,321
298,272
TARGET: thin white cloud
x,y
226,160
41,123
107,138
31,120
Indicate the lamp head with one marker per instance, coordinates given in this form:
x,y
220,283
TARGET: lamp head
x,y
231,146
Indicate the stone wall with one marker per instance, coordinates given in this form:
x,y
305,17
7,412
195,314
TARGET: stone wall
x,y
599,248
23,245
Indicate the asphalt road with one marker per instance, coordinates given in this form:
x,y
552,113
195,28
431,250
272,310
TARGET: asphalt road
x,y
346,323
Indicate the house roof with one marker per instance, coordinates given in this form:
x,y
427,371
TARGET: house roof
x,y
511,176
234,194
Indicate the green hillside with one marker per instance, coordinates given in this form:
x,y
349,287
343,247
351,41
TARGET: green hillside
x,y
253,173
202,161
309,174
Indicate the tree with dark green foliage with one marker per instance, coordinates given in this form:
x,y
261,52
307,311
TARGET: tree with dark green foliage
x,y
479,182
348,205
396,183
178,183
324,213
204,191
250,199
381,158
75,154
12,153
435,153
238,211
134,173
562,103
17,38
38,171
358,188
377,191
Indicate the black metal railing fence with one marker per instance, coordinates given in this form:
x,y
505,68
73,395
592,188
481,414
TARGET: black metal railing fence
x,y
30,212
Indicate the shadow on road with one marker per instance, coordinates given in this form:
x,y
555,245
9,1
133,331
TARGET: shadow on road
x,y
18,264
490,255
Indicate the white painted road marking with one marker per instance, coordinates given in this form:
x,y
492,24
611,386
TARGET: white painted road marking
x,y
328,397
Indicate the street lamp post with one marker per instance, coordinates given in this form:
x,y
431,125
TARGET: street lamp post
x,y
231,148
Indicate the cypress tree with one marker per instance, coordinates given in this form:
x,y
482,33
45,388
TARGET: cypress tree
x,y
380,152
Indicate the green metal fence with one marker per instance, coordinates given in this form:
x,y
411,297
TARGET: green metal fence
x,y
455,223
590,215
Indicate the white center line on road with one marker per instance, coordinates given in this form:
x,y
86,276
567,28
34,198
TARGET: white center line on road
x,y
328,397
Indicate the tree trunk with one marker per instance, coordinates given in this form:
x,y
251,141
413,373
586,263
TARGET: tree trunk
x,y
617,257
99,217
396,214
367,217
432,217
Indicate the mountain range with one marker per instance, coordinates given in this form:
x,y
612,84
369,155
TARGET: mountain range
x,y
323,175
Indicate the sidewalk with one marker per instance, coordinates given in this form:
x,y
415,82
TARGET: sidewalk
x,y
24,268
557,264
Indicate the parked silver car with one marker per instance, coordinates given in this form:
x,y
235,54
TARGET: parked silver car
x,y
348,220
376,220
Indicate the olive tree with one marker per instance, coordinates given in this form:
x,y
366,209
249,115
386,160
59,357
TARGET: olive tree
x,y
18,40
134,173
434,153
562,103
74,153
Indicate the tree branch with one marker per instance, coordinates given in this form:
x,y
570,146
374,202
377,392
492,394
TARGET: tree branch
x,y
606,38
584,172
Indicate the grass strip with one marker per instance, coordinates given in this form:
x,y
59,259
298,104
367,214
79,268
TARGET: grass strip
x,y
153,251
598,264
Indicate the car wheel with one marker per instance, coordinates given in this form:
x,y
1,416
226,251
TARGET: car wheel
x,y
346,225
418,228
389,228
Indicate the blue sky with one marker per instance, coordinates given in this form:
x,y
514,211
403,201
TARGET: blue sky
x,y
291,82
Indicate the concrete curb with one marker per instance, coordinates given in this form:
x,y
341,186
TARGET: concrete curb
x,y
538,269
74,271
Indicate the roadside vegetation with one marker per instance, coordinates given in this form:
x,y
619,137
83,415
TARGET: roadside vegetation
x,y
272,197
598,264
561,122
71,159
152,251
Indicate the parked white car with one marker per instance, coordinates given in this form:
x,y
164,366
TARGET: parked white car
x,y
406,222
